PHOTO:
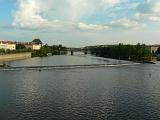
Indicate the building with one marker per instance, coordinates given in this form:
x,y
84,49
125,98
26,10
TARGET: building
x,y
153,48
7,45
31,45
36,46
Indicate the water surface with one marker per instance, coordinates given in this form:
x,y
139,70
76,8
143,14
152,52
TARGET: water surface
x,y
111,93
77,59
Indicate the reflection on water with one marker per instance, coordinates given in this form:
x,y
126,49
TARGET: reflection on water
x,y
78,59
117,93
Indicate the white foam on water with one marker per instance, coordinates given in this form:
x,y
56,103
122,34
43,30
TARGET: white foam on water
x,y
66,67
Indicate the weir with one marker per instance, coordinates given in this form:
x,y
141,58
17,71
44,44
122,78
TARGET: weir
x,y
64,66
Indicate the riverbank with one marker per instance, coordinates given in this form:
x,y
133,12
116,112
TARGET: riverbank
x,y
16,56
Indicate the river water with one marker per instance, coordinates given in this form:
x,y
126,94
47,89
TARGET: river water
x,y
108,93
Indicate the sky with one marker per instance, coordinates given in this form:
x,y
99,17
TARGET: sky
x,y
76,23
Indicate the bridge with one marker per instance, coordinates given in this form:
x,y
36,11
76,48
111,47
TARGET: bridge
x,y
73,50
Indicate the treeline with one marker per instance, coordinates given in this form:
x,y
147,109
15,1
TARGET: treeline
x,y
49,50
124,52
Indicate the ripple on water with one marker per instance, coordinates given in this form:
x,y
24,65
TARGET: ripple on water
x,y
114,93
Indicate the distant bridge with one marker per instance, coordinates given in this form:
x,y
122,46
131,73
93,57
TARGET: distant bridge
x,y
73,50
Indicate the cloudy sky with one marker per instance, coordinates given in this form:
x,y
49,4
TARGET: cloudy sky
x,y
81,22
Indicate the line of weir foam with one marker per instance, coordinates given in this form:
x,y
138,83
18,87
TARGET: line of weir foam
x,y
65,67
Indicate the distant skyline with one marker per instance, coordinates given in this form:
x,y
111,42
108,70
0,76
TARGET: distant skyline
x,y
77,23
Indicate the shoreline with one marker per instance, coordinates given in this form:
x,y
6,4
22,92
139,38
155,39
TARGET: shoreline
x,y
135,61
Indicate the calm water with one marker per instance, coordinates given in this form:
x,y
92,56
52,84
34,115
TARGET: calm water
x,y
111,93
78,59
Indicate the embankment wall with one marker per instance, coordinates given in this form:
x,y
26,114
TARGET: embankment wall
x,y
12,57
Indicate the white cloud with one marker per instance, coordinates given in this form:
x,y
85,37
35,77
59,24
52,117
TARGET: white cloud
x,y
56,14
111,2
76,19
93,27
150,10
79,8
28,14
68,10
126,24
155,6
73,10
154,18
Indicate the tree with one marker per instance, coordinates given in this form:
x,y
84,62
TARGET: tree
x,y
19,46
125,52
2,51
8,51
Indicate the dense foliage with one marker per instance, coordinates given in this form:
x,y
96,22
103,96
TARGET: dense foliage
x,y
124,52
50,50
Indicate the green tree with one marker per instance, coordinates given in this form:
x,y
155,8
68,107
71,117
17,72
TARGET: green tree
x,y
19,46
2,51
8,51
125,52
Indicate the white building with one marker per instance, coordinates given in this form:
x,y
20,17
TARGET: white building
x,y
30,45
7,45
37,46
153,48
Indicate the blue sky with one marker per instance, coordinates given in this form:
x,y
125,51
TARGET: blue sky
x,y
5,11
81,22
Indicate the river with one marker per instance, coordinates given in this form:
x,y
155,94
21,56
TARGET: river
x,y
104,93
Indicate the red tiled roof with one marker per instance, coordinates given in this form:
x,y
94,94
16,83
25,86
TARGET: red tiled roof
x,y
6,42
153,45
19,43
25,43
